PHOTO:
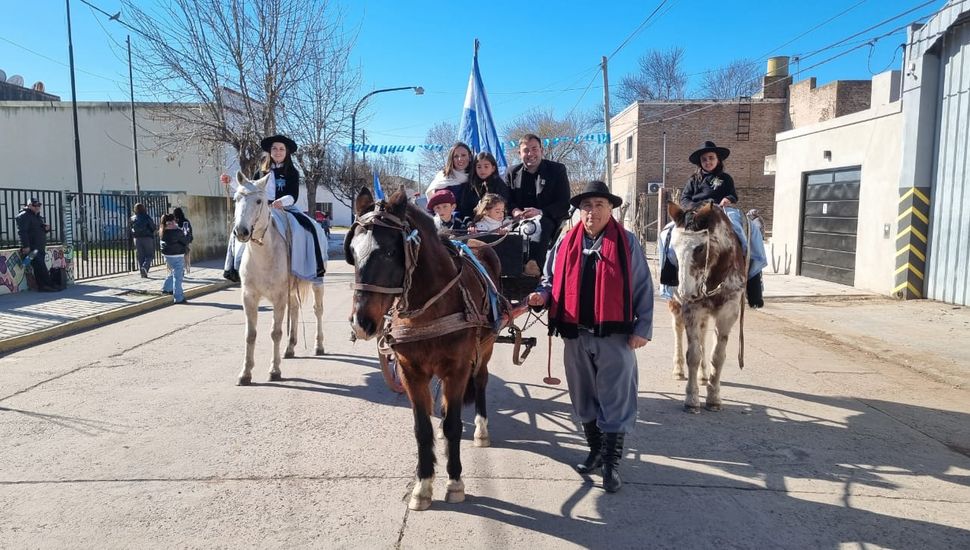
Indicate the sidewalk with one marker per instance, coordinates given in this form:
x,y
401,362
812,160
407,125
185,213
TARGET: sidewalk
x,y
28,318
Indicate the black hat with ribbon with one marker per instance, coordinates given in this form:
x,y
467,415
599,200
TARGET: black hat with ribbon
x,y
596,188
267,143
709,147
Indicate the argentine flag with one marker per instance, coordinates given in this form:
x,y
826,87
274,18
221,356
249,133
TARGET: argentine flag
x,y
476,128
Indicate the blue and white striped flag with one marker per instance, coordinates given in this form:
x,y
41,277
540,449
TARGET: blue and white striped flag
x,y
378,192
476,128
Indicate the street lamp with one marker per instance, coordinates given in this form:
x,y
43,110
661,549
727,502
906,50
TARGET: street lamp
x,y
418,90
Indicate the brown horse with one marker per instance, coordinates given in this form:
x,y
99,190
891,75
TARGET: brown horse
x,y
430,305
712,281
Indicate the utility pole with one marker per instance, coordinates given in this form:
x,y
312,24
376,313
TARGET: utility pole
x,y
82,219
134,131
661,213
606,118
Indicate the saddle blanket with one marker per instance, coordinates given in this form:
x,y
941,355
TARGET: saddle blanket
x,y
759,260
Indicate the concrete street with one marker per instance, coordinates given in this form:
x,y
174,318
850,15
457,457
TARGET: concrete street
x,y
848,427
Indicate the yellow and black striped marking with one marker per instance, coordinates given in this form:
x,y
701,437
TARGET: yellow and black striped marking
x,y
912,228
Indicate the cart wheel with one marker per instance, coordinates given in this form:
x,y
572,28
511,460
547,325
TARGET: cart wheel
x,y
391,372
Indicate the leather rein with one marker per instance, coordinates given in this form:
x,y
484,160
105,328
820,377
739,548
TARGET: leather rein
x,y
396,332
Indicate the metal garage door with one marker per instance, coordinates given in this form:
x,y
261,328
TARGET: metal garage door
x,y
830,216
948,260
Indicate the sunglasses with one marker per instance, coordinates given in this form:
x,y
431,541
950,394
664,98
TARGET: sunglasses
x,y
36,204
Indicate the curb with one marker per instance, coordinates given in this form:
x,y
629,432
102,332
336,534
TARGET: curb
x,y
84,323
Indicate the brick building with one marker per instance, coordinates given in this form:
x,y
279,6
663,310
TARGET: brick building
x,y
747,126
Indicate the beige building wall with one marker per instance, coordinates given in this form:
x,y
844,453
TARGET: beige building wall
x,y
871,139
37,147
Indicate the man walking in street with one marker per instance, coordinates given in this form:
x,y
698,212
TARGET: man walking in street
x,y
600,295
143,232
33,242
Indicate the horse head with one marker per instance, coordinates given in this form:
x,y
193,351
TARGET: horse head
x,y
707,251
252,208
377,246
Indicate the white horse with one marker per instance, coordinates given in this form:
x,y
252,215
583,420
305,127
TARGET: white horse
x,y
265,273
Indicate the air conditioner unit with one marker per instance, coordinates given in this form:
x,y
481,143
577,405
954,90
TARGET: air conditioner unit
x,y
654,187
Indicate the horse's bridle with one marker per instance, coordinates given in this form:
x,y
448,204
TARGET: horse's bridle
x,y
705,293
412,245
269,221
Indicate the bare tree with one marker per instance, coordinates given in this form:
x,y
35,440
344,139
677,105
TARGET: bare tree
x,y
660,77
443,133
319,116
739,78
583,159
227,67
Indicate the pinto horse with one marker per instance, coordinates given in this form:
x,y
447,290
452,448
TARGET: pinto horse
x,y
265,273
712,269
430,305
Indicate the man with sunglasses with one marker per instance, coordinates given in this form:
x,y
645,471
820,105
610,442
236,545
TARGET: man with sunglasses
x,y
33,240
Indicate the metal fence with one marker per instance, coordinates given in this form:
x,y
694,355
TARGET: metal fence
x,y
93,227
102,244
13,200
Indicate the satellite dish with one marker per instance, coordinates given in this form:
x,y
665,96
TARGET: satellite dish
x,y
16,80
3,76
38,86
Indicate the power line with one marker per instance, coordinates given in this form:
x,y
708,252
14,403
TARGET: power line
x,y
636,31
51,59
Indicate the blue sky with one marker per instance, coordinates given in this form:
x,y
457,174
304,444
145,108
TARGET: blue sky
x,y
536,55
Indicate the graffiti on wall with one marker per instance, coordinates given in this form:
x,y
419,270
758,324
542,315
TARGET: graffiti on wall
x,y
14,274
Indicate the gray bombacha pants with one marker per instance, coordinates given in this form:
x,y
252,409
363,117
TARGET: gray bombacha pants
x,y
145,252
602,376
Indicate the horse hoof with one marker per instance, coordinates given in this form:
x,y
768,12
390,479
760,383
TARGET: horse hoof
x,y
289,354
244,381
713,407
275,376
482,442
692,409
456,491
679,376
320,352
419,503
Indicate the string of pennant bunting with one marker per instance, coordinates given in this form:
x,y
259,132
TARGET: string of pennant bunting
x,y
599,138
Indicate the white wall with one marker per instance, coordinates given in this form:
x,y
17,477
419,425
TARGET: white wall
x,y
37,150
871,139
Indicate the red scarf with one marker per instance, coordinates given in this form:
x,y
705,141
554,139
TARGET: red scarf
x,y
613,303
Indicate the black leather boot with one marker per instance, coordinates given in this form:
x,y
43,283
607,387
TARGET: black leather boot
x,y
594,438
612,451
755,290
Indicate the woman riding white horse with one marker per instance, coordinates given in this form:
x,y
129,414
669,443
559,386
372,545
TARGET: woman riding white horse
x,y
283,190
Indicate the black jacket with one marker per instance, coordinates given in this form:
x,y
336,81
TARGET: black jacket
x,y
173,242
287,181
473,191
700,189
30,227
142,226
554,198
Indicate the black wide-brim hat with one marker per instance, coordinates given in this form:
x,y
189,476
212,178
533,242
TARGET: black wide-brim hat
x,y
708,147
268,142
596,188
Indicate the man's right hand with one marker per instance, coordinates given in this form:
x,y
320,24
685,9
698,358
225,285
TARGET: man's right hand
x,y
536,299
224,179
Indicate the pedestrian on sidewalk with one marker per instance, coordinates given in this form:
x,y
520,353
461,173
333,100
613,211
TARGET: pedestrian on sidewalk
x,y
600,295
186,226
33,242
174,244
143,232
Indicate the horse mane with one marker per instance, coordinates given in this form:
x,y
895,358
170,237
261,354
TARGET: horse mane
x,y
702,217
